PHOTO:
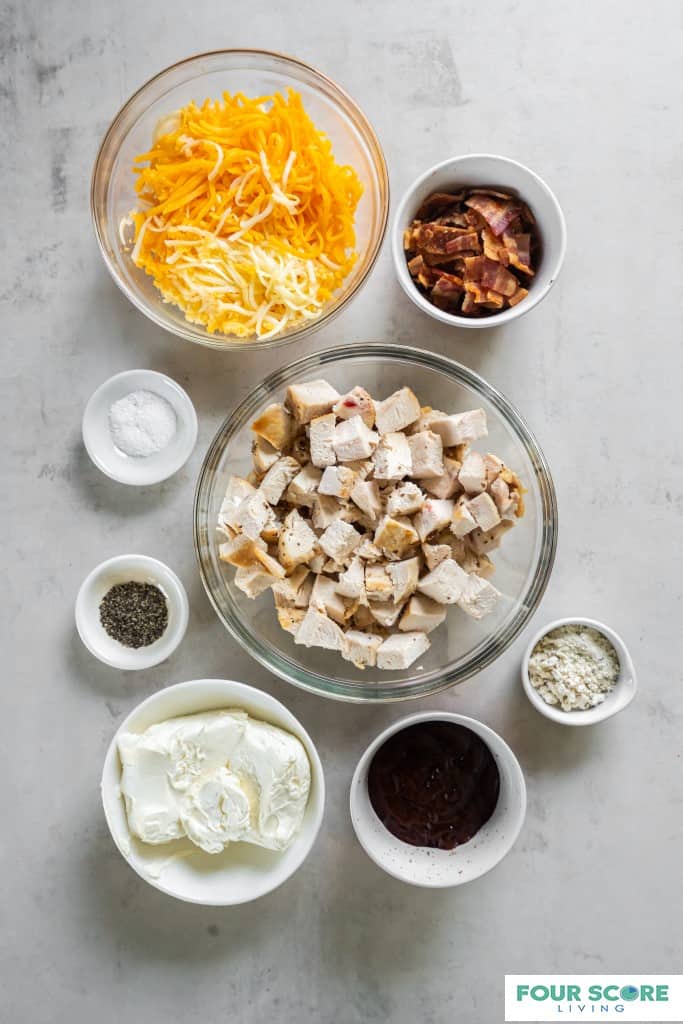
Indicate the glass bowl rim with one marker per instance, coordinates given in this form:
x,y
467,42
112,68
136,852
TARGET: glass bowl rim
x,y
364,129
487,650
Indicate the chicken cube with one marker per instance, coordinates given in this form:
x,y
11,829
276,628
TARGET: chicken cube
x,y
326,510
361,648
445,583
404,577
401,650
506,502
365,494
479,597
426,455
286,590
386,613
303,487
397,411
321,438
482,541
422,614
463,520
253,514
263,454
435,553
275,426
447,485
339,540
434,515
297,542
240,551
351,583
484,510
310,400
353,440
356,403
303,597
379,585
368,550
479,564
253,580
337,481
237,490
472,473
325,598
426,418
460,428
392,457
290,618
278,478
395,536
493,466
405,499
318,630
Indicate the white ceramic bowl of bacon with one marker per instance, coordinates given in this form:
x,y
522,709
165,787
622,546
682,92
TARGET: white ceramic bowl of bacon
x,y
484,170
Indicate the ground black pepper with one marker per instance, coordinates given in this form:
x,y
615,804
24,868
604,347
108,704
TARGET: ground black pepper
x,y
135,614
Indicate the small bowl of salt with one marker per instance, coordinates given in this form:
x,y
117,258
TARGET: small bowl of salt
x,y
139,427
578,671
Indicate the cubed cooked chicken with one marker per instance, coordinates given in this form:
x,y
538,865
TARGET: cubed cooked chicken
x,y
367,520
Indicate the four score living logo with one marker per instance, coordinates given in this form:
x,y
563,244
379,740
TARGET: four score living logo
x,y
593,997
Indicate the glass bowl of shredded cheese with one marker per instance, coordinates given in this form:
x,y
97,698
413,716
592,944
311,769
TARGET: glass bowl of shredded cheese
x,y
240,197
462,646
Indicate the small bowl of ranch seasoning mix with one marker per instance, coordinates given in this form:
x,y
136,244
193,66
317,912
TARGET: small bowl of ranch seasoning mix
x,y
578,671
132,612
139,427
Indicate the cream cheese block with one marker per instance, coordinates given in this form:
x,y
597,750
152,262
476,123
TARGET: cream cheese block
x,y
217,777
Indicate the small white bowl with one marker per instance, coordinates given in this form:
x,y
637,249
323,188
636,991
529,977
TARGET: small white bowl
x,y
479,170
126,469
140,569
242,872
619,697
440,869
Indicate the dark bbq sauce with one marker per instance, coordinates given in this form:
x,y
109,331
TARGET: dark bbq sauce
x,y
434,784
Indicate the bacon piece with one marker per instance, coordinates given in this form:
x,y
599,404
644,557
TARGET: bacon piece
x,y
447,291
469,241
438,204
415,265
498,215
473,267
497,278
518,248
494,300
475,289
489,192
475,220
440,239
494,249
469,306
520,294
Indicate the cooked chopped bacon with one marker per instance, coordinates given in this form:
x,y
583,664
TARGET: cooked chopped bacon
x,y
518,248
438,204
520,294
498,278
498,215
494,248
471,251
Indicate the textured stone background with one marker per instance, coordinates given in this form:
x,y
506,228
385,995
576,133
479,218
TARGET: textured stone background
x,y
589,94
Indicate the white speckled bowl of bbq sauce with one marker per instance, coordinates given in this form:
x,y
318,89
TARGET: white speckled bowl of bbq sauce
x,y
437,799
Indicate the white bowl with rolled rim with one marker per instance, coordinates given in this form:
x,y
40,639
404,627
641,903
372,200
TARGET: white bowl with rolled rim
x,y
124,569
134,470
243,872
618,698
479,170
441,869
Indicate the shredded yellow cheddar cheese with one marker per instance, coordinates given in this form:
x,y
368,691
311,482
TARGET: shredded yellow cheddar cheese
x,y
246,220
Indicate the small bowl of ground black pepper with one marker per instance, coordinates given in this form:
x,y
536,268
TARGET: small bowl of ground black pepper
x,y
437,799
132,612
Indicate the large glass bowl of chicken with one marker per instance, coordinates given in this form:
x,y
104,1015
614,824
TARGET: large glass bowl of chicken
x,y
375,523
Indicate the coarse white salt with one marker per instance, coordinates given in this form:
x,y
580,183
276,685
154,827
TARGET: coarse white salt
x,y
142,423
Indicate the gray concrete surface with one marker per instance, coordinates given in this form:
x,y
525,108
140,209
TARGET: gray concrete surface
x,y
590,95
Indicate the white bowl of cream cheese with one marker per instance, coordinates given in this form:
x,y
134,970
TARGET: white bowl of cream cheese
x,y
180,760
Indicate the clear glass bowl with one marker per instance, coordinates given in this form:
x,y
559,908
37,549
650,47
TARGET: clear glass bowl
x,y
254,72
460,646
